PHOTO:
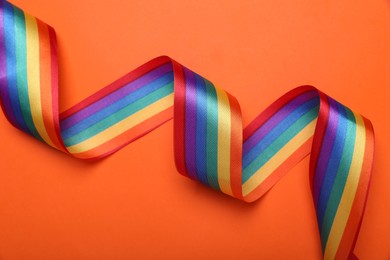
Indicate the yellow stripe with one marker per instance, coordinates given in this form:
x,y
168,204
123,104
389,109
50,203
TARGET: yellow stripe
x,y
346,202
269,167
123,125
224,133
33,77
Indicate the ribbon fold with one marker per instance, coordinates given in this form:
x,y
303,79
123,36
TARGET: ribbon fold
x,y
210,144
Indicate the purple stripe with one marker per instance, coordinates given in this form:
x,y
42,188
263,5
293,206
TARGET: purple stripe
x,y
115,96
4,93
190,121
276,119
326,149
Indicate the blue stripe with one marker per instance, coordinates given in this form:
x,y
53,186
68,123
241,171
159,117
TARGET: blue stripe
x,y
276,132
334,160
201,128
9,35
118,105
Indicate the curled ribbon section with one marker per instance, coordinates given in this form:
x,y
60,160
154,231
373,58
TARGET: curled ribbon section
x,y
210,144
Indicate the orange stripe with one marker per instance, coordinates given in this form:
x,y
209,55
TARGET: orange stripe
x,y
281,171
355,217
45,80
235,147
127,137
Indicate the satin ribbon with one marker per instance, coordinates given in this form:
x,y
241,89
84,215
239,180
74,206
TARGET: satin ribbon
x,y
210,145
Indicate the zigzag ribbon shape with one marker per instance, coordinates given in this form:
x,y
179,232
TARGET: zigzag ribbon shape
x,y
210,144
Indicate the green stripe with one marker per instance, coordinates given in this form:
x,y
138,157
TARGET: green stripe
x,y
341,178
120,115
212,136
21,70
282,140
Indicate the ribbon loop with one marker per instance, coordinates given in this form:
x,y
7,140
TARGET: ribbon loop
x,y
211,145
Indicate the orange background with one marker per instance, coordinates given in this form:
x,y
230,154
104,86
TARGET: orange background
x,y
134,204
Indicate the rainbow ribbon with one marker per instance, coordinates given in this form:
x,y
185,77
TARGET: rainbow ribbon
x,y
210,144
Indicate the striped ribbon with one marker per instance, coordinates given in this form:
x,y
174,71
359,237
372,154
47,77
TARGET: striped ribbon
x,y
210,144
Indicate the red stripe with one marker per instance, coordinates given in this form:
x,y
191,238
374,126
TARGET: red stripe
x,y
46,84
179,118
319,133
